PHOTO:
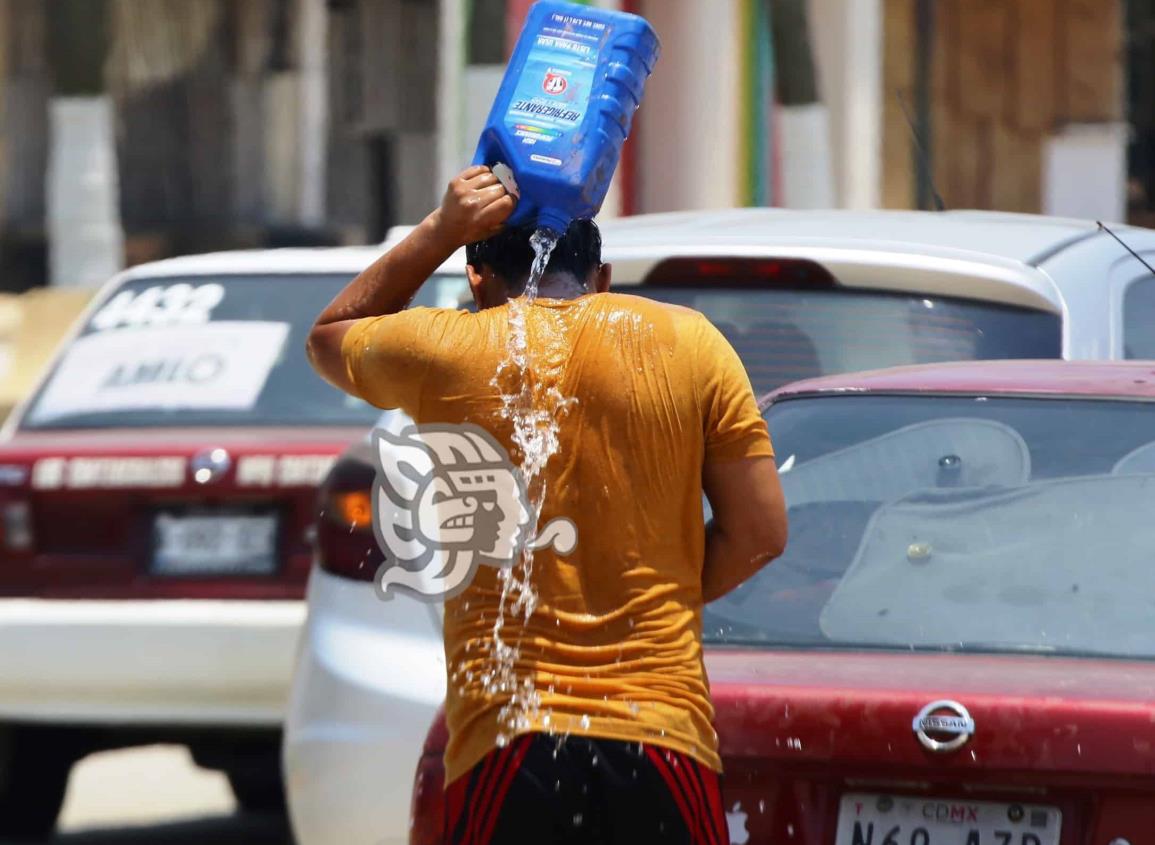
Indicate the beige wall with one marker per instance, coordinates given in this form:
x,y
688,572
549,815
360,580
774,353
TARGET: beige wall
x,y
31,327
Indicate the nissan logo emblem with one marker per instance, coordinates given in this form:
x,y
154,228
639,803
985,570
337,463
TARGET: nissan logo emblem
x,y
943,726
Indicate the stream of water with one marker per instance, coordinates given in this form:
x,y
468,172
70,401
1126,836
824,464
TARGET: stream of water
x,y
533,410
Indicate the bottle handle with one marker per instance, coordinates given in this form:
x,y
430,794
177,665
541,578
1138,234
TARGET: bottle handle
x,y
504,174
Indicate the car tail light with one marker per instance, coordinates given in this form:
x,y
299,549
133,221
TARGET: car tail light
x,y
428,808
16,520
353,508
345,542
741,272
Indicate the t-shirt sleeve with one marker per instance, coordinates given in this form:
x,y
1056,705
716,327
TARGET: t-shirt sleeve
x,y
387,358
734,427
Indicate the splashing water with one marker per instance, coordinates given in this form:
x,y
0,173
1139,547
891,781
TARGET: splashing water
x,y
534,415
542,242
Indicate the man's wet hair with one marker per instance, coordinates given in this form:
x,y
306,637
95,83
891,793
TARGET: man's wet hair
x,y
509,256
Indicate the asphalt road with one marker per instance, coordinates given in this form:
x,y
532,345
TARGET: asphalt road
x,y
157,795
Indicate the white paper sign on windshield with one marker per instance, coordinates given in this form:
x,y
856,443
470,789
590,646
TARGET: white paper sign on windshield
x,y
219,366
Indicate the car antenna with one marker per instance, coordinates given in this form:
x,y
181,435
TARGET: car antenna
x,y
923,158
1103,226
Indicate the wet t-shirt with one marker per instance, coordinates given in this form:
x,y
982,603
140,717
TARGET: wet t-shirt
x,y
649,392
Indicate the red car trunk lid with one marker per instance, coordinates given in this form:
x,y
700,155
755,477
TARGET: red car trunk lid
x,y
800,730
103,507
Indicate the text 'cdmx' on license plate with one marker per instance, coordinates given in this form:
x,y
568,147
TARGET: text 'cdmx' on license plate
x,y
873,819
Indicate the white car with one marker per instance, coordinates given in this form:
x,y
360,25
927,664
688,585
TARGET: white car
x,y
799,295
157,507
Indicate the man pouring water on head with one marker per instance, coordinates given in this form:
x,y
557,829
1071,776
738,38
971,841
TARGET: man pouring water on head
x,y
578,705
620,737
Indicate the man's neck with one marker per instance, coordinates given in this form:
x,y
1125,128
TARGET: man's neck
x,y
561,286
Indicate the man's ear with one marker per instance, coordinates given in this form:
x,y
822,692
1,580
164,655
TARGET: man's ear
x,y
476,282
602,279
488,291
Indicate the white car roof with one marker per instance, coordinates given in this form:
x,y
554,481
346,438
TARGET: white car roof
x,y
976,254
1025,238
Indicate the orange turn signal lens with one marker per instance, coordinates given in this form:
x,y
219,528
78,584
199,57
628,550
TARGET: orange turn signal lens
x,y
354,508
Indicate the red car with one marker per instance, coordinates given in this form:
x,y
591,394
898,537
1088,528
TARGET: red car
x,y
957,647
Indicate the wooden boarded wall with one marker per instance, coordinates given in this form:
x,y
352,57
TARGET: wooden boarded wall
x,y
25,84
25,88
382,100
169,74
1006,75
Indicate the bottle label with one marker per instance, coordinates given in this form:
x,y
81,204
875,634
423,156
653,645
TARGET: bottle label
x,y
553,92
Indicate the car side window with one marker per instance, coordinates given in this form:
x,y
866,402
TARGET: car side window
x,y
1139,319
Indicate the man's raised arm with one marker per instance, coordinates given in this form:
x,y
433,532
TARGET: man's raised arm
x,y
475,207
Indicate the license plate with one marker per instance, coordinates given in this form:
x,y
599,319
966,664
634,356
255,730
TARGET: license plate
x,y
901,820
214,544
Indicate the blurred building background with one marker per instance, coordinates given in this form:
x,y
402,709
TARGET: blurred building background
x,y
138,129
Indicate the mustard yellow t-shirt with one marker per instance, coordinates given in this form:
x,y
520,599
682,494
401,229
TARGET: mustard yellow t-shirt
x,y
614,645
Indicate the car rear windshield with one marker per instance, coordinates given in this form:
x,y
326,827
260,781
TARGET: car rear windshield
x,y
960,524
788,335
205,351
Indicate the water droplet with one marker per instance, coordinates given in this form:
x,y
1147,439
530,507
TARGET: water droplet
x,y
585,722
790,830
761,806
577,819
501,741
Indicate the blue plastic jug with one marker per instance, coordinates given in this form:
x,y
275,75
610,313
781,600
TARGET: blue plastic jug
x,y
565,108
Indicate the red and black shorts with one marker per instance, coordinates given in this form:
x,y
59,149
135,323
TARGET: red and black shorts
x,y
554,790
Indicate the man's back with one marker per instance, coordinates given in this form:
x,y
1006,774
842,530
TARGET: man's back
x,y
578,708
639,395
